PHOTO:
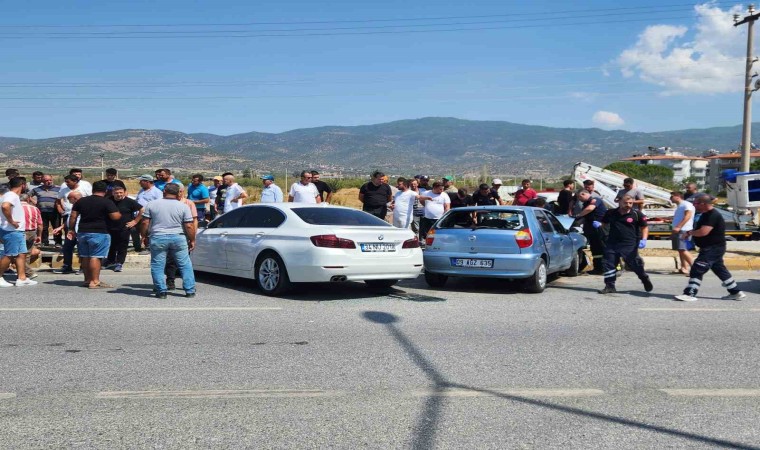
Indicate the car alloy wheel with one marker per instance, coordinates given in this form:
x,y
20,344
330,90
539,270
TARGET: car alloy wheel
x,y
269,274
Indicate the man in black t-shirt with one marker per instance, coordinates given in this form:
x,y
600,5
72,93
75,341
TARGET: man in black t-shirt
x,y
119,230
92,235
460,199
111,181
591,216
565,198
485,196
325,191
710,236
628,232
375,196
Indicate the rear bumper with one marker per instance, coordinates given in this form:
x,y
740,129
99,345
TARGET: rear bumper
x,y
504,266
323,268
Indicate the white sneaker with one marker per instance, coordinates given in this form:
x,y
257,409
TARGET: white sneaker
x,y
4,283
686,298
738,296
26,282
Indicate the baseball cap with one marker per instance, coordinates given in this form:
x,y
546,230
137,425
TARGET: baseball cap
x,y
496,181
424,177
268,177
218,178
448,178
145,178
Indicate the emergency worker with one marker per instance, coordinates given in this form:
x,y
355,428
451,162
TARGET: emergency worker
x,y
591,217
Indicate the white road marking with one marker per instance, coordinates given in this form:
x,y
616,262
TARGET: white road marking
x,y
712,392
703,309
457,392
237,393
7,395
146,309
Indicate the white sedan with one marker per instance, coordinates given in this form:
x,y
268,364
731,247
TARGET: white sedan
x,y
277,244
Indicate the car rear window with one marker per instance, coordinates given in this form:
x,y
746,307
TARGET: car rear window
x,y
338,216
502,220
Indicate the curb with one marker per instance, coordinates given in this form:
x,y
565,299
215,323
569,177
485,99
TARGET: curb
x,y
672,263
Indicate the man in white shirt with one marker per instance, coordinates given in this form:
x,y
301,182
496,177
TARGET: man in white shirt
x,y
70,183
683,222
235,194
403,204
12,228
304,191
84,186
436,203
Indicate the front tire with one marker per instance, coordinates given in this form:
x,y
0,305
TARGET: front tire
x,y
271,275
574,268
537,283
435,280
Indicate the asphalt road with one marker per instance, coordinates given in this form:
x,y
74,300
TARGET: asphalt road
x,y
475,365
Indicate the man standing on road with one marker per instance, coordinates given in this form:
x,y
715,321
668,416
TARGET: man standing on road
x,y
148,193
304,191
524,194
565,197
234,194
683,222
72,184
270,193
197,193
403,204
628,233
12,234
120,230
83,186
710,236
324,189
169,225
46,195
92,236
631,191
436,203
33,233
212,191
111,181
591,215
375,196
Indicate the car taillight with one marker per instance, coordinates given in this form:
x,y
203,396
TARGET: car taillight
x,y
411,243
523,238
332,241
429,238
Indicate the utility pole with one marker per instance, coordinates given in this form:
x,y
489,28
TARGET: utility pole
x,y
748,76
102,166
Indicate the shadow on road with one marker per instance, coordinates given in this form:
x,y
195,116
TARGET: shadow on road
x,y
429,418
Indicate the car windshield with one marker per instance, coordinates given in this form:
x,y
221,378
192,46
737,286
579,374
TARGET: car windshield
x,y
338,216
484,218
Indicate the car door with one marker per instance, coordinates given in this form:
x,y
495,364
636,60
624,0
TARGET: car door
x,y
568,249
552,240
244,242
210,243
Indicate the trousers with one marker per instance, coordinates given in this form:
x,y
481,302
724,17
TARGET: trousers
x,y
50,220
170,245
710,258
117,253
630,254
596,240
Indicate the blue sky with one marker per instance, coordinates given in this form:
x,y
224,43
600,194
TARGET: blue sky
x,y
583,68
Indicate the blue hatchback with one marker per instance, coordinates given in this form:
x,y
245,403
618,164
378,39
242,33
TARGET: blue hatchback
x,y
512,242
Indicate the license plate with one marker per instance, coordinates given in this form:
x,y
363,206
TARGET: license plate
x,y
378,247
471,262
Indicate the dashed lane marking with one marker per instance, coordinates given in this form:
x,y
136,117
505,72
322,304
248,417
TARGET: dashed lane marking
x,y
241,393
140,309
712,392
702,309
7,395
513,392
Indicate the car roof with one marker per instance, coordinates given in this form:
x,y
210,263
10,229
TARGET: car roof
x,y
291,205
505,208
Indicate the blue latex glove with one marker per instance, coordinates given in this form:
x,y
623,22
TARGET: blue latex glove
x,y
596,224
642,243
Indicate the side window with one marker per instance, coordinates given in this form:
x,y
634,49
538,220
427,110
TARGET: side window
x,y
543,221
231,219
556,223
262,217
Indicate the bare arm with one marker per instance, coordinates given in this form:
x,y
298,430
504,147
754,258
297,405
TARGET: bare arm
x,y
8,213
361,197
686,219
137,219
645,232
190,233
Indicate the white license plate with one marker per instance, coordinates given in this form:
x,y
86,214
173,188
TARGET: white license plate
x,y
381,247
471,262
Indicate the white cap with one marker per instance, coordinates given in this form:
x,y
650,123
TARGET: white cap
x,y
496,181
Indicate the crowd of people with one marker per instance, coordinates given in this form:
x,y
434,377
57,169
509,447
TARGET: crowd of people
x,y
100,220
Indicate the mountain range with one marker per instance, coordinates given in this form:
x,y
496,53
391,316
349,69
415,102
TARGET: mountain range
x,y
433,144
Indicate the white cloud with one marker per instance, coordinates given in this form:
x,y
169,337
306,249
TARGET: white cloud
x,y
709,58
606,119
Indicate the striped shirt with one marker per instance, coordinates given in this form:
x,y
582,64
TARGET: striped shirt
x,y
32,216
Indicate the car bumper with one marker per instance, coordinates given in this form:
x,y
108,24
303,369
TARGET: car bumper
x,y
324,268
504,266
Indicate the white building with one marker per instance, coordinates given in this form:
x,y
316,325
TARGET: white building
x,y
720,162
683,166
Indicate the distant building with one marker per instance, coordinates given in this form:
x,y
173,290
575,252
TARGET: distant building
x,y
720,162
683,166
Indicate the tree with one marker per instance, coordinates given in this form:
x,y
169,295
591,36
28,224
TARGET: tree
x,y
651,173
247,173
755,165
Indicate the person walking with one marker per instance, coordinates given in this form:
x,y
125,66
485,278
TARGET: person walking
x,y
92,235
198,193
375,196
33,233
628,232
591,216
46,195
12,227
304,191
270,193
683,222
168,223
709,235
120,230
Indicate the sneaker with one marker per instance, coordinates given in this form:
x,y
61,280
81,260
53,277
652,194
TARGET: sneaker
x,y
64,270
686,298
31,275
648,286
190,295
170,286
80,271
738,296
607,290
118,267
161,295
25,282
4,284
109,266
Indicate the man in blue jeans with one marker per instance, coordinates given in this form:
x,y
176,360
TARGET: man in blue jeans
x,y
169,224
